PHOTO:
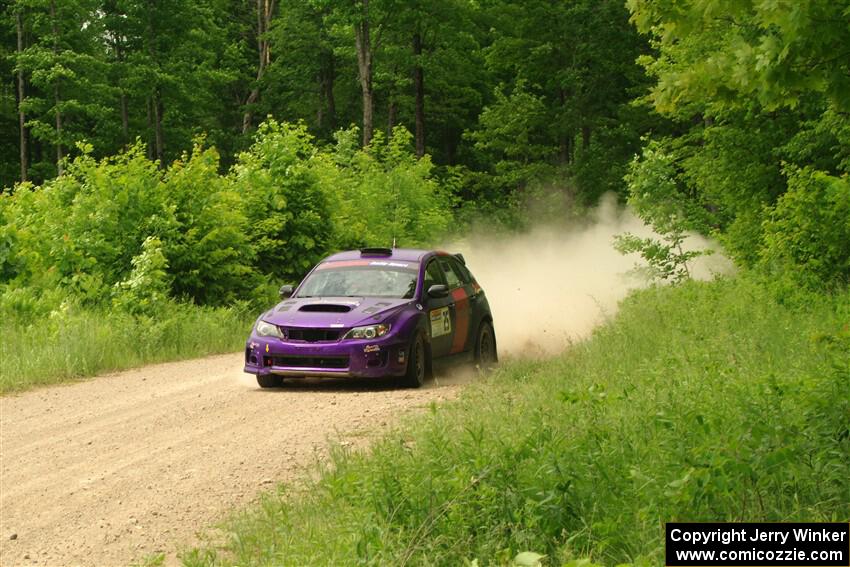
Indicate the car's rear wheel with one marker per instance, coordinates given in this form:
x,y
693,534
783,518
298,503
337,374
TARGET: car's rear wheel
x,y
485,353
417,362
270,381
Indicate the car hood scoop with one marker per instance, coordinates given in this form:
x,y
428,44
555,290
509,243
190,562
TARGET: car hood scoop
x,y
325,308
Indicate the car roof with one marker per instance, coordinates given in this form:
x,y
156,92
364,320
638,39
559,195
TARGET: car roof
x,y
405,254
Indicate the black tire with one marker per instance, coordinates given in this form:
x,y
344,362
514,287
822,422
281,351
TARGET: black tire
x,y
270,381
486,356
417,363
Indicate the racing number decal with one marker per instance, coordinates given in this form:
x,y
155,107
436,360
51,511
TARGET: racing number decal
x,y
441,322
461,319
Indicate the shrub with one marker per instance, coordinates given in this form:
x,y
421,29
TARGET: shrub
x,y
382,193
807,235
289,220
654,195
146,288
210,255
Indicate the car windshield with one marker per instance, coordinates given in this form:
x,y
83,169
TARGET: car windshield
x,y
361,278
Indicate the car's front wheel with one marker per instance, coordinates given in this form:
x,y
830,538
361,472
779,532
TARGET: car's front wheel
x,y
417,362
486,355
270,381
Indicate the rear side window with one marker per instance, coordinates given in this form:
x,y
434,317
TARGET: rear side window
x,y
453,278
462,271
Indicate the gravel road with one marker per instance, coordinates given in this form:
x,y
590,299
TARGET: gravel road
x,y
109,470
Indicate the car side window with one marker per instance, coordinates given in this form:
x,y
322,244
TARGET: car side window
x,y
433,275
462,272
452,277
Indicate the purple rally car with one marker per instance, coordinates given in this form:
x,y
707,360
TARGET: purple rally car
x,y
374,312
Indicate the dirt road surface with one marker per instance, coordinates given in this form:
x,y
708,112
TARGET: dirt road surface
x,y
113,469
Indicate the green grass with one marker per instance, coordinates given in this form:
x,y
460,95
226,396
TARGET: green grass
x,y
704,402
84,343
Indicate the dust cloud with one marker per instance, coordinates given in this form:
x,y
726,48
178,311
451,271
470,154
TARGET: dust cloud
x,y
551,286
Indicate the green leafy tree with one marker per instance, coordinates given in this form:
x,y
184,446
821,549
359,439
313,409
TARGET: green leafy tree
x,y
513,131
654,194
777,52
807,235
209,255
66,72
288,215
382,194
10,140
146,288
757,93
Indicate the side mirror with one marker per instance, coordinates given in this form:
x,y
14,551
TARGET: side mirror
x,y
438,290
286,291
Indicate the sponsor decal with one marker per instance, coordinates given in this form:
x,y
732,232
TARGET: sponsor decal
x,y
371,348
441,322
267,348
376,263
390,264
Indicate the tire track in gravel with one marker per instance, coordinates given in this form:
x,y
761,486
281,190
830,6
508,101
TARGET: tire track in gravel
x,y
106,471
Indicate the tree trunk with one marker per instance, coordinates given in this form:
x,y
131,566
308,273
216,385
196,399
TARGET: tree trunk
x,y
327,103
151,142
392,115
265,9
125,119
125,110
364,66
157,117
419,88
22,118
320,108
585,138
565,147
60,153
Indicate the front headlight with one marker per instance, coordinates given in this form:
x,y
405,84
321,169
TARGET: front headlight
x,y
265,329
368,332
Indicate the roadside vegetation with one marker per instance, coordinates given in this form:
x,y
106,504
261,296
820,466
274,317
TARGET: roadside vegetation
x,y
73,343
707,401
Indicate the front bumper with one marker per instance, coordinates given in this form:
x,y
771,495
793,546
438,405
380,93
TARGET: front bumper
x,y
352,358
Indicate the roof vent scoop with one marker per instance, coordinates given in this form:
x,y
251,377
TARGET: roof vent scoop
x,y
376,252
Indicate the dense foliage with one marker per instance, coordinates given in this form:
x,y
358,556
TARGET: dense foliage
x,y
759,143
121,232
110,72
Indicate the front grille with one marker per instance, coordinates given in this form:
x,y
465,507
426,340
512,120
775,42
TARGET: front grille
x,y
311,335
311,361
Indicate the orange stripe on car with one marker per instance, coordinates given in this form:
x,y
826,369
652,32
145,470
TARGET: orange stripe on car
x,y
461,319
